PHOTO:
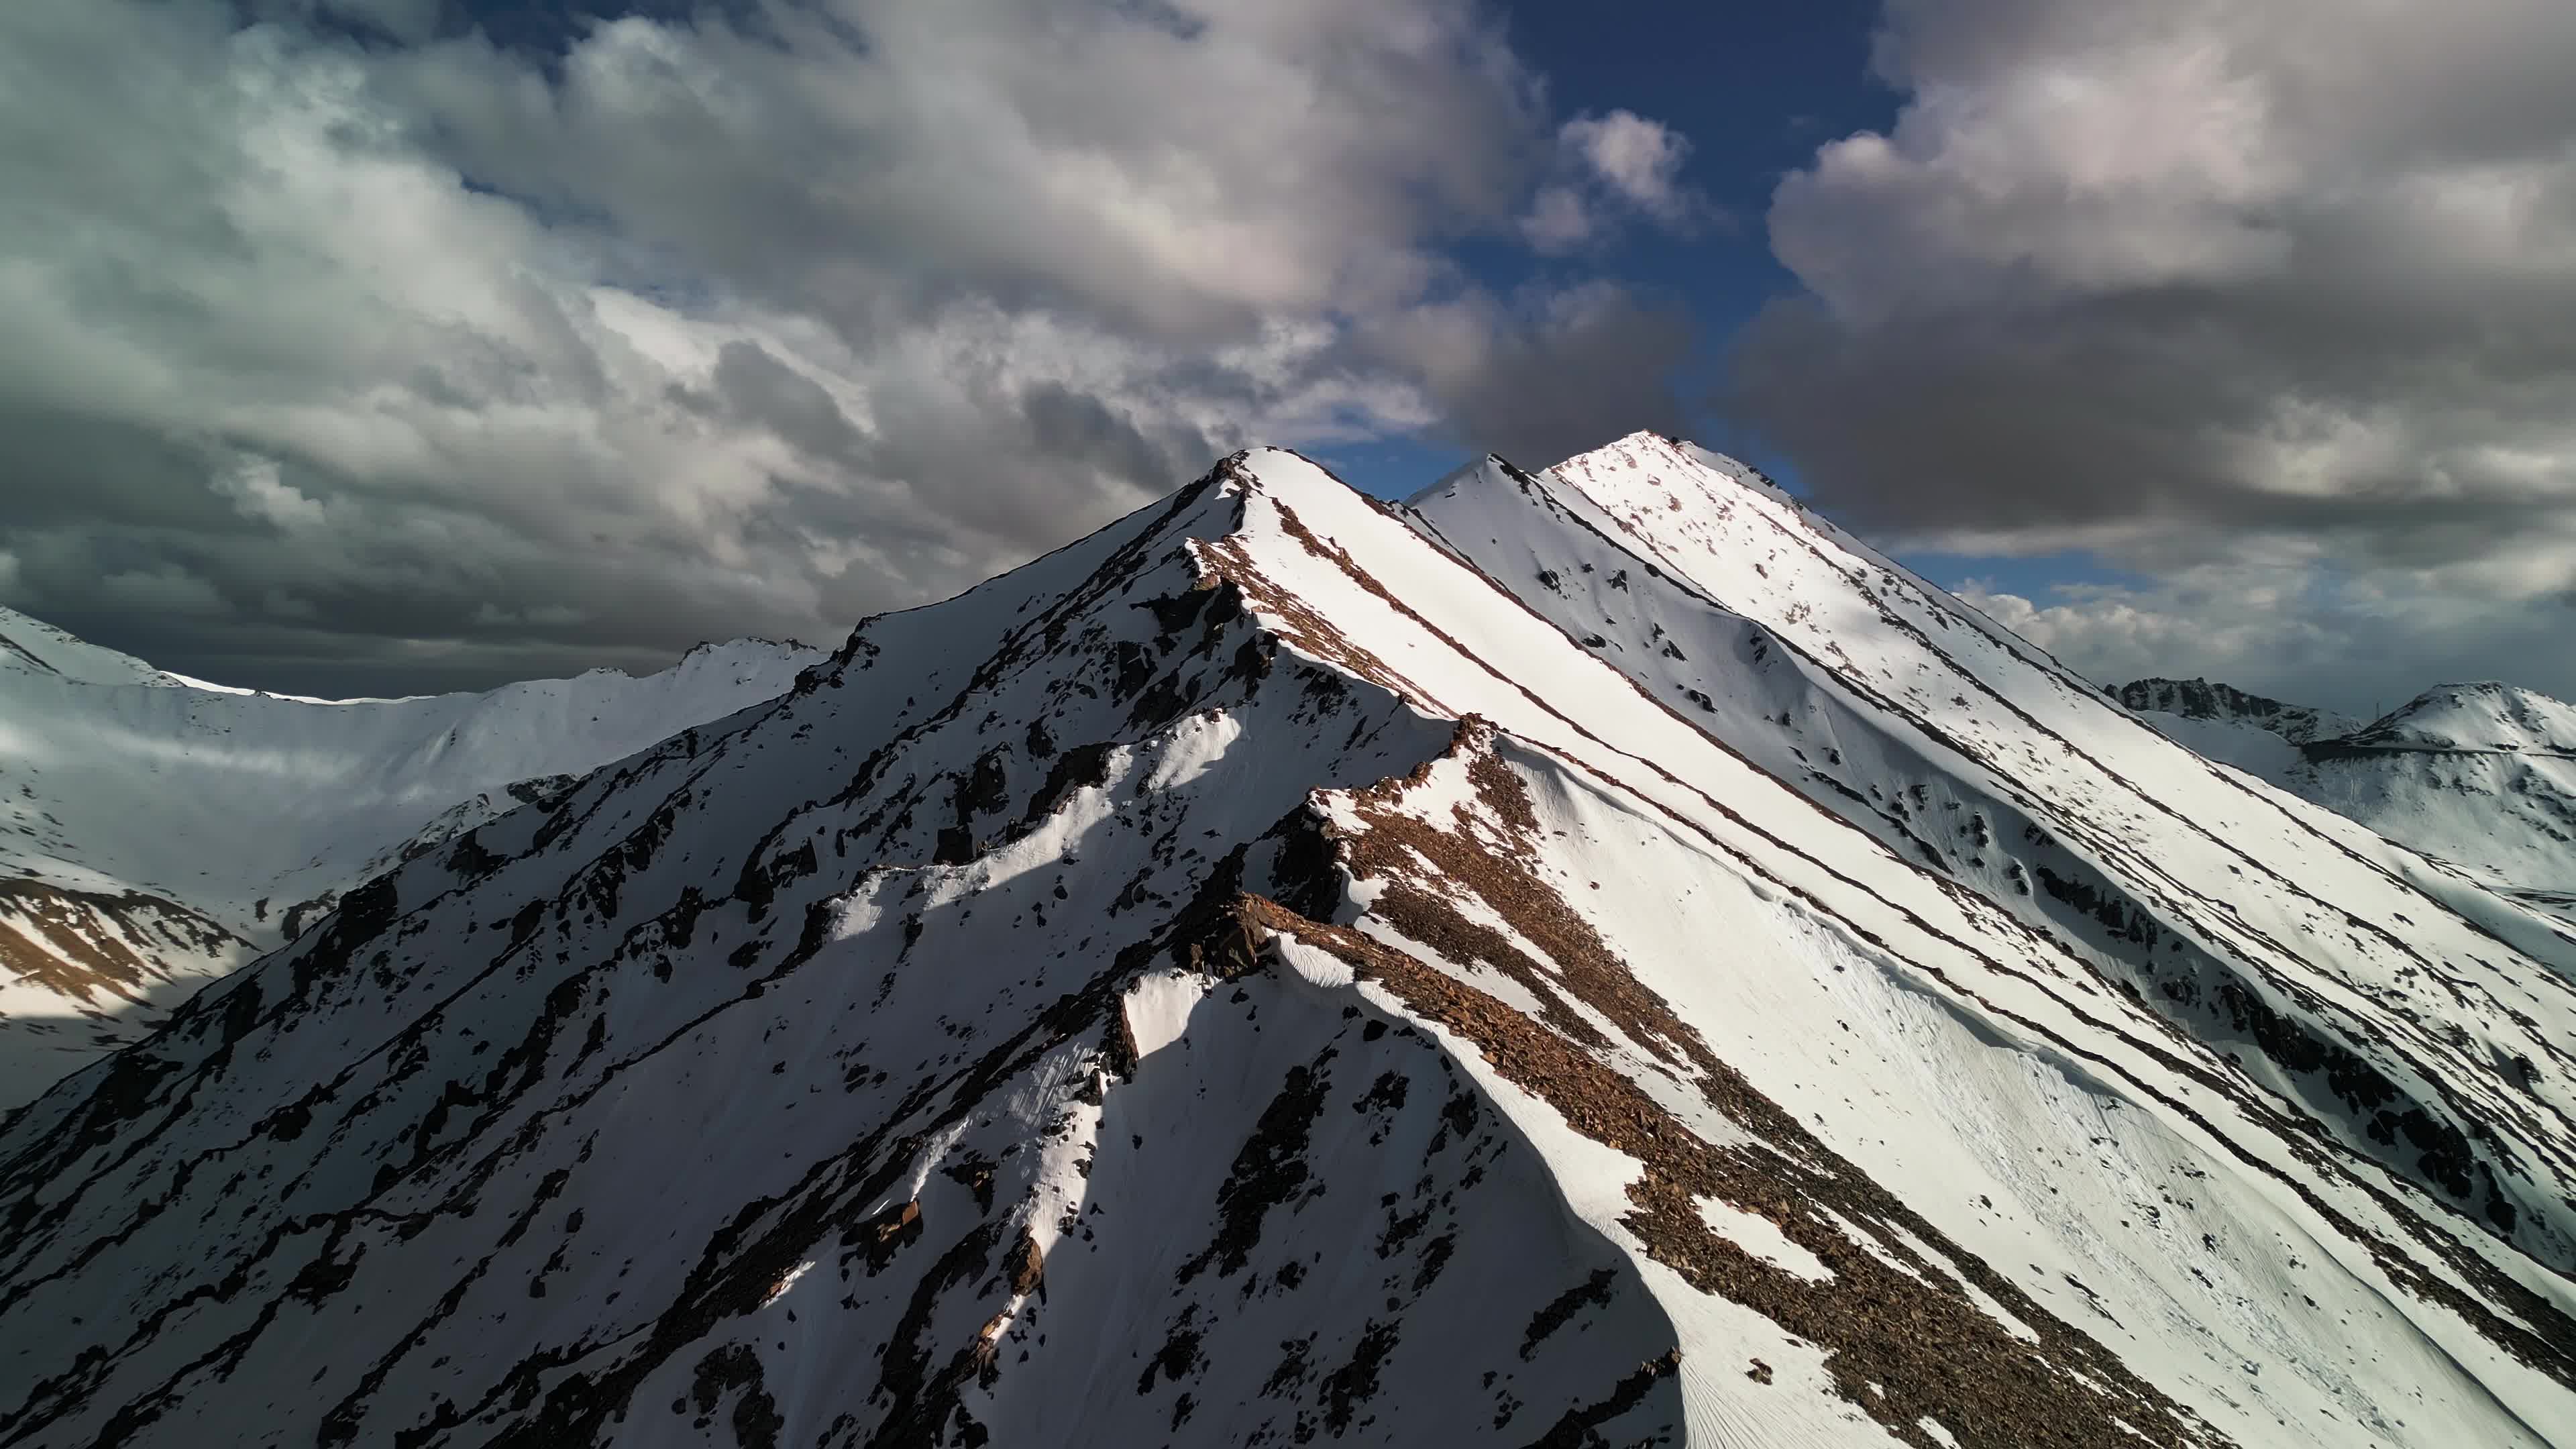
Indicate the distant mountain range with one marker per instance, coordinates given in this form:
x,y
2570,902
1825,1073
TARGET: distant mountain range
x,y
2480,776
157,831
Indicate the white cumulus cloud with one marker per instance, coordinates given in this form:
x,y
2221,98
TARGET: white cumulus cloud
x,y
407,349
1610,167
2169,279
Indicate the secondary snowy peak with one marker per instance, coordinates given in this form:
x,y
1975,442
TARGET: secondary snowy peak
x,y
1979,759
1803,631
31,646
2480,777
2483,717
1482,472
2201,699
156,831
1245,978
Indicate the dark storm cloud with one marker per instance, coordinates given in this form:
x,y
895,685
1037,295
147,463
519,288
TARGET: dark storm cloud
x,y
1075,426
2204,286
759,391
360,346
1549,374
1175,179
2146,413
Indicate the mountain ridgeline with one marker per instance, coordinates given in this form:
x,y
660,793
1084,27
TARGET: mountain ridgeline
x,y
157,831
2199,699
1584,957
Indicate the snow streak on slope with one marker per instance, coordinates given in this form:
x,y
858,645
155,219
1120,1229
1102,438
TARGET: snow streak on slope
x,y
2480,776
155,831
1243,979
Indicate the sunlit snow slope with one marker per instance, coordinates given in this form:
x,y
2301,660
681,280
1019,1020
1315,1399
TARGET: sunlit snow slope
x,y
1288,971
156,831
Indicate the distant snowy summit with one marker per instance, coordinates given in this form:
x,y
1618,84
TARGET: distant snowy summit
x,y
2480,776
2486,717
156,830
2199,699
1595,956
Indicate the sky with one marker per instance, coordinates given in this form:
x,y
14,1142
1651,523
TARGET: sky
x,y
388,346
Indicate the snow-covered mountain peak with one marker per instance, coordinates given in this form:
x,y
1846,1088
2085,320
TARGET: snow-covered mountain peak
x,y
2485,715
1490,471
1287,969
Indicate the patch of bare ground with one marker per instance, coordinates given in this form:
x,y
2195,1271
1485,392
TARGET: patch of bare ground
x,y
86,944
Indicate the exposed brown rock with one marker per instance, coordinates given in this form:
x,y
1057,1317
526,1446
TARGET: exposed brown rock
x,y
93,945
1025,1267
